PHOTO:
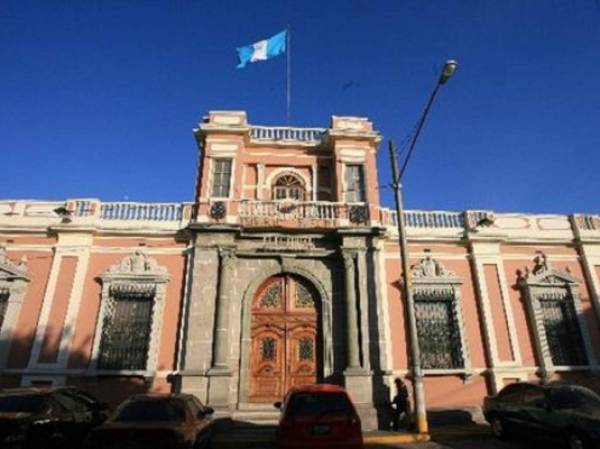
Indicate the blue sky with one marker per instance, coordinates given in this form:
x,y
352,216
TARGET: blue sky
x,y
99,98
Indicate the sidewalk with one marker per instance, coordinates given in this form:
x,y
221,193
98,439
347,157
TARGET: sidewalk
x,y
264,438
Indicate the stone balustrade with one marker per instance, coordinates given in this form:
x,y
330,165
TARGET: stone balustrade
x,y
141,211
302,215
283,133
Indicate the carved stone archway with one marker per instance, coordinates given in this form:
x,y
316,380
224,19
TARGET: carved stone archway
x,y
324,317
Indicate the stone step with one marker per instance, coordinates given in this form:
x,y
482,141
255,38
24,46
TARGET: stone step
x,y
255,418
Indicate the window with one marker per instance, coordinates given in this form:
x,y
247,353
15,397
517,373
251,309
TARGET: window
x,y
3,305
355,184
132,308
167,410
440,324
221,178
439,337
558,322
562,330
288,187
126,330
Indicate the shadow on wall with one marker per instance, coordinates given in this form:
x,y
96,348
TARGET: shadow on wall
x,y
19,370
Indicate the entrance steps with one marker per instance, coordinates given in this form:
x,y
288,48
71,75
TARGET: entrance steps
x,y
255,415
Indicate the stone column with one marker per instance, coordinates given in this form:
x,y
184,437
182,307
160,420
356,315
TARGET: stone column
x,y
357,379
352,344
220,372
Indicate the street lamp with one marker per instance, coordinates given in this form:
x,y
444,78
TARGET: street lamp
x,y
415,353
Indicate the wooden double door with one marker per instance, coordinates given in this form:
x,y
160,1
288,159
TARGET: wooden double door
x,y
284,337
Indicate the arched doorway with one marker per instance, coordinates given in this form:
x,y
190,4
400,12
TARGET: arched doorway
x,y
285,337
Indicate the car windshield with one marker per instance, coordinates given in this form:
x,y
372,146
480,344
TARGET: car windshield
x,y
316,404
152,410
22,403
575,398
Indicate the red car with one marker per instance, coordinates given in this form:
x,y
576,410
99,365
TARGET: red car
x,y
318,416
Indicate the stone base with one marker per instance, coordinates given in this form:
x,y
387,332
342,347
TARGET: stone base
x,y
360,388
219,383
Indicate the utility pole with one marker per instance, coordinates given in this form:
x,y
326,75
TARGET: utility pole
x,y
411,318
415,353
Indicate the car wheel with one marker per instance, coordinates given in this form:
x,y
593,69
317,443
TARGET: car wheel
x,y
498,427
576,441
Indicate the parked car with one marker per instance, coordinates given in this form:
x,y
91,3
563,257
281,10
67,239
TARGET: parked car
x,y
563,412
318,416
155,421
46,417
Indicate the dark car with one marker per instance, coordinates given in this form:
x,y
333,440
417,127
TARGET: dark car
x,y
318,416
46,417
155,421
562,412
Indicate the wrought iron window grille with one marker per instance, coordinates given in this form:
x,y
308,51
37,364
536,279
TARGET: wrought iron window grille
x,y
440,321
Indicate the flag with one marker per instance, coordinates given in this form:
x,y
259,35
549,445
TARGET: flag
x,y
263,50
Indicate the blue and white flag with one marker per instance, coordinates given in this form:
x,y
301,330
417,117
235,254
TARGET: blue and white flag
x,y
263,50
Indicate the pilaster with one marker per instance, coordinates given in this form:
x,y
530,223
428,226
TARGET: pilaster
x,y
220,372
485,252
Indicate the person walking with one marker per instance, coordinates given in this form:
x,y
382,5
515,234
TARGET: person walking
x,y
400,405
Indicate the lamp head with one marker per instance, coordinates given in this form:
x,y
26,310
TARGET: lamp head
x,y
448,70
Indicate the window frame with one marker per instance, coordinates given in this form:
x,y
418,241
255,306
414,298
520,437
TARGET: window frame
x,y
301,187
215,163
135,272
350,195
432,281
535,284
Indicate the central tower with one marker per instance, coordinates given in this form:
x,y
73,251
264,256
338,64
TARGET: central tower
x,y
283,283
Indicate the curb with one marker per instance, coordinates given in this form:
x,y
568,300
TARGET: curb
x,y
396,438
253,441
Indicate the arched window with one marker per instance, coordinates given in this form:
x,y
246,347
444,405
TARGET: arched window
x,y
288,187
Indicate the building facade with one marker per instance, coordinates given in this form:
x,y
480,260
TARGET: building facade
x,y
285,270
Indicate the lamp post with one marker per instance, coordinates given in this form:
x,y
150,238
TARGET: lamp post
x,y
415,353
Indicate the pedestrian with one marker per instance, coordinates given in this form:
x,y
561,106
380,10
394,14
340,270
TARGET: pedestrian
x,y
400,405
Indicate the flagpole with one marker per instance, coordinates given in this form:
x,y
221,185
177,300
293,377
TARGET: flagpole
x,y
289,76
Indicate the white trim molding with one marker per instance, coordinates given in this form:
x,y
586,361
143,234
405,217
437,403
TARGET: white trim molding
x,y
137,272
13,282
545,280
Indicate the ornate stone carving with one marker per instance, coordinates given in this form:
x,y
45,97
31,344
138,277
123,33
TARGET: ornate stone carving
x,y
543,273
429,269
137,264
10,269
